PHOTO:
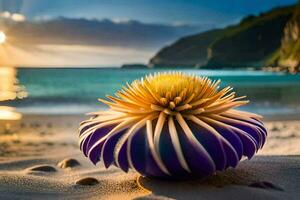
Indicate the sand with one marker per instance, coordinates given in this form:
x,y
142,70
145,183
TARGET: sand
x,y
35,164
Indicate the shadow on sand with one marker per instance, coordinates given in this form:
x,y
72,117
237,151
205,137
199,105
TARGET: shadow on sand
x,y
264,177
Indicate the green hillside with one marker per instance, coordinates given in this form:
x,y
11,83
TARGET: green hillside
x,y
251,43
187,51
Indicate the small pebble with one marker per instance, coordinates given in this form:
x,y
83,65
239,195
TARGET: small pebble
x,y
68,162
43,133
16,141
7,131
275,128
87,181
49,143
35,125
42,168
265,185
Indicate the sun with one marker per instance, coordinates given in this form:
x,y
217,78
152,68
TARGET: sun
x,y
2,37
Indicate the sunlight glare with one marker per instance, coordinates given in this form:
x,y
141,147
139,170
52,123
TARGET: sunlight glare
x,y
8,113
2,37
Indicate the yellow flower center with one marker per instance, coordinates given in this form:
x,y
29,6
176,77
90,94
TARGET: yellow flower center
x,y
172,93
178,89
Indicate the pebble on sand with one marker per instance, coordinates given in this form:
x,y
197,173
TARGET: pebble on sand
x,y
42,168
87,181
68,162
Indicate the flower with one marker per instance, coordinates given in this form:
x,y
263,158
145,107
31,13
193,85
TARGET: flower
x,y
172,125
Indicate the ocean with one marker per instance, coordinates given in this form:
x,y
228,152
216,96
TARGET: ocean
x,y
76,90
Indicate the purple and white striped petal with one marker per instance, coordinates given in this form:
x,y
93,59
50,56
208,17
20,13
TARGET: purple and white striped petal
x,y
172,126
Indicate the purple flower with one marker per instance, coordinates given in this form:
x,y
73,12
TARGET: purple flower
x,y
172,125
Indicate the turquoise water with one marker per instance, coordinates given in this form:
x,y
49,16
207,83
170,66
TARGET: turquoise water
x,y
75,91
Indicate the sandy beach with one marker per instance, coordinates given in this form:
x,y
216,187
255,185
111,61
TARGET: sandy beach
x,y
40,159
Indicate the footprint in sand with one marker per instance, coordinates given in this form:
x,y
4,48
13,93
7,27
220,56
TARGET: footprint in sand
x,y
68,163
265,185
41,168
87,181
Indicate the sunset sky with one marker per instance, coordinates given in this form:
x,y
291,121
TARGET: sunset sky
x,y
90,30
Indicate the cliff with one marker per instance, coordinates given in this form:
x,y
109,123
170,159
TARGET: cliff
x,y
254,42
288,57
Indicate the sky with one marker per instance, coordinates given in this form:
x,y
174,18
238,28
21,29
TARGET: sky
x,y
66,29
219,12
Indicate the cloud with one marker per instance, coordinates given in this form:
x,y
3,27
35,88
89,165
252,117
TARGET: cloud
x,y
83,42
123,33
17,17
